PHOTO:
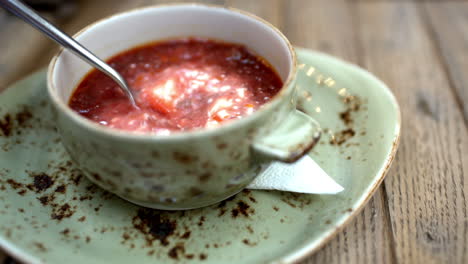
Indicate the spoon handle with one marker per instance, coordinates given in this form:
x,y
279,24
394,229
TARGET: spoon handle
x,y
31,17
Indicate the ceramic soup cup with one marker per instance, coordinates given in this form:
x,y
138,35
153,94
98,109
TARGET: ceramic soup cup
x,y
182,170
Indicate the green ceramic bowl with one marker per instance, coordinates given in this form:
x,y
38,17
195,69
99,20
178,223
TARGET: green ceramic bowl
x,y
182,170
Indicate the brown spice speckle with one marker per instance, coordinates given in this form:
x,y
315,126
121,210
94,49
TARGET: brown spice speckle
x,y
85,197
353,104
289,202
296,200
222,211
61,189
154,225
63,211
248,242
201,221
76,179
186,235
221,146
6,125
41,182
194,191
183,158
40,246
44,200
342,136
176,250
23,116
14,184
241,209
97,177
65,232
204,177
346,117
223,203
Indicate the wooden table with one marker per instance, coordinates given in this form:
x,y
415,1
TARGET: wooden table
x,y
419,48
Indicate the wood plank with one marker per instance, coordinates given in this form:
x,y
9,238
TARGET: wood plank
x,y
328,26
17,61
367,239
426,193
428,211
20,47
91,10
322,25
270,10
447,23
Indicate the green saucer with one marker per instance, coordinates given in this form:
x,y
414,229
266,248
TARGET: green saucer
x,y
49,213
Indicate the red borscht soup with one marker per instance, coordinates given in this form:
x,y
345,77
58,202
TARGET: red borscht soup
x,y
179,85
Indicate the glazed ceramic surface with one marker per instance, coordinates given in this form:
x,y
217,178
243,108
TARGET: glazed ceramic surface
x,y
50,213
190,169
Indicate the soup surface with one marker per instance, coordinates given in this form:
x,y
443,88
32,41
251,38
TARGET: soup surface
x,y
180,84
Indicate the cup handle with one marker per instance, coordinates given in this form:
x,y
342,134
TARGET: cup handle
x,y
289,142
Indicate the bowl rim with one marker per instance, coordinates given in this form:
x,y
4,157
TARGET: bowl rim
x,y
176,135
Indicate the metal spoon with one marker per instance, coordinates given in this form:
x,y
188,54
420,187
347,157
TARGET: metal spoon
x,y
31,17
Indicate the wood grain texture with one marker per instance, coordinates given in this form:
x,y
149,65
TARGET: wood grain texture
x,y
327,26
367,239
448,25
91,11
333,30
427,187
270,10
24,50
20,48
419,48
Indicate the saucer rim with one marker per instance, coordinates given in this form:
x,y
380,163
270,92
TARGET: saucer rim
x,y
311,246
